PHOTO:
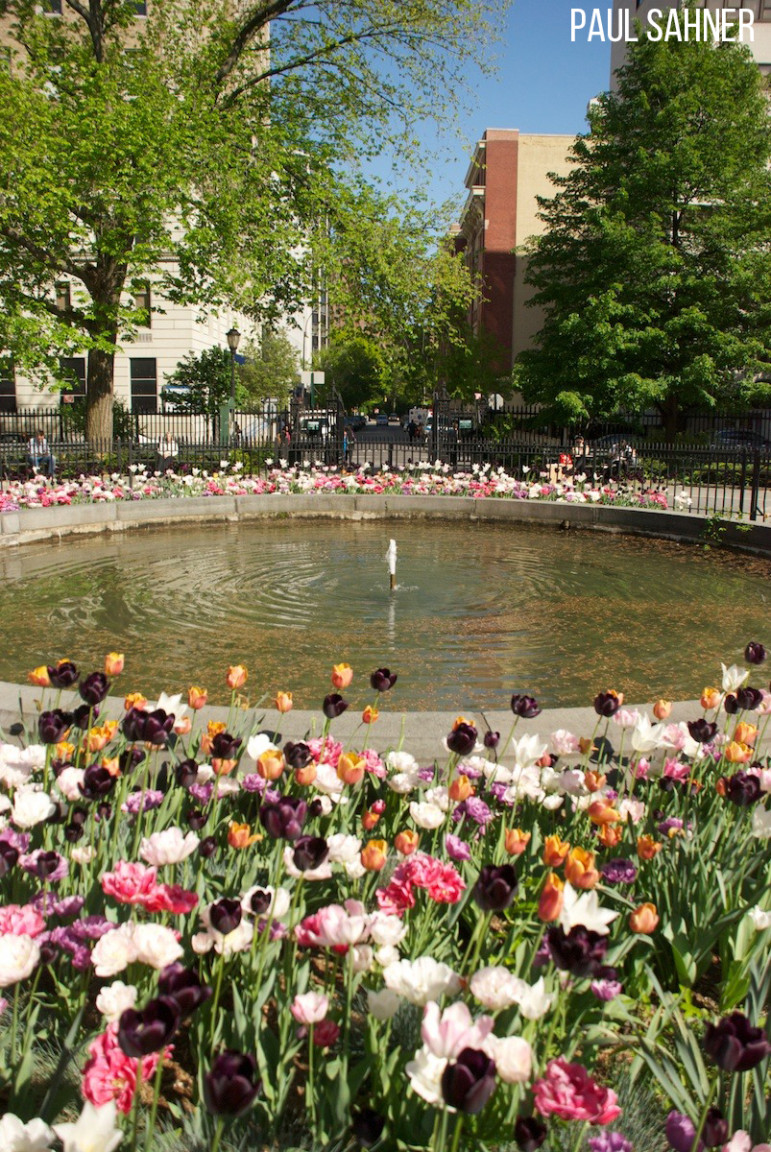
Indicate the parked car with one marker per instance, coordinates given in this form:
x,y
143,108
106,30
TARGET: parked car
x,y
393,418
355,421
381,419
737,438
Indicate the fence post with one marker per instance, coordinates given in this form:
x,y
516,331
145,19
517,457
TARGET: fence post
x,y
755,493
742,482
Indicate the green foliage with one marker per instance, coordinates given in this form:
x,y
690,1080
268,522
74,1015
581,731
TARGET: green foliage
x,y
271,368
207,376
355,366
655,271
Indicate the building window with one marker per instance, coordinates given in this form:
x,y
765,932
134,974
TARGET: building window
x,y
52,7
143,303
144,384
7,385
139,7
63,296
73,368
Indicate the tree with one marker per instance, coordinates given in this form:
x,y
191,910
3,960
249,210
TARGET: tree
x,y
354,365
206,380
198,148
270,369
655,269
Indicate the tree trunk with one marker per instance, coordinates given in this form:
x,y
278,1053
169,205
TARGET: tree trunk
x,y
674,418
99,398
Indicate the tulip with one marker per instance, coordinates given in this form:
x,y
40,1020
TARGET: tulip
x,y
333,706
710,698
580,870
62,674
54,726
196,819
495,888
602,812
527,707
96,783
39,676
702,730
260,902
367,1126
369,821
230,1086
745,733
297,755
461,788
271,764
469,1083
463,738
736,753
579,951
236,677
325,1033
309,1008
284,819
84,714
207,847
94,688
647,847
114,663
370,715
608,703
186,773
491,739
609,836
8,857
554,851
141,1033
374,855
241,835
350,768
406,842
515,841
382,679
550,903
224,746
225,915
309,852
306,776
99,738
754,653
183,726
748,699
342,675
734,1044
529,1133
197,697
184,986
594,781
742,789
134,700
284,702
644,919
715,1130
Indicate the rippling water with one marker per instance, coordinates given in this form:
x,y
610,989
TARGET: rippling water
x,y
480,611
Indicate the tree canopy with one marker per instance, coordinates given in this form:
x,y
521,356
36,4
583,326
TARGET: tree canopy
x,y
202,148
270,369
655,269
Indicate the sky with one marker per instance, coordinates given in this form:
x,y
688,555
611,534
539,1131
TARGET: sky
x,y
543,84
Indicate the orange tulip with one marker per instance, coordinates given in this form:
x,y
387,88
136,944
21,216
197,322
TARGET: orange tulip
x,y
196,697
550,903
462,720
236,677
745,733
222,767
241,835
284,702
98,738
736,753
305,776
342,675
113,663
112,764
609,836
594,780
64,751
555,851
647,847
662,709
720,786
369,820
271,764
350,768
515,841
213,728
406,842
710,698
644,919
183,726
369,715
602,812
585,746
135,700
40,677
374,855
580,870
461,788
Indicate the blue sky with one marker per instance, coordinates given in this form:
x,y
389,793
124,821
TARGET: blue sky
x,y
543,84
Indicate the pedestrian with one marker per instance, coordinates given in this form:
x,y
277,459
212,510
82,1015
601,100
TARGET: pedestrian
x,y
412,429
39,455
167,452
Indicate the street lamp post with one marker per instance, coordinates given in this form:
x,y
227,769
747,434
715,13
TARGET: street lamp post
x,y
233,339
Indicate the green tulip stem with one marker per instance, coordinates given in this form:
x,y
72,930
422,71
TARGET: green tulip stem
x,y
457,1132
154,1109
218,1134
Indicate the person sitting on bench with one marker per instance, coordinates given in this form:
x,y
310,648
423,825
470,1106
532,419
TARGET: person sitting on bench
x,y
39,456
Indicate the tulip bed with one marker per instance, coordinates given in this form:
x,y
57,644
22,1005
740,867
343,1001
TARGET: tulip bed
x,y
211,937
424,480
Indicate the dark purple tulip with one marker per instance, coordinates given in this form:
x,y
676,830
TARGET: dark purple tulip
x,y
702,730
297,755
157,727
734,1044
196,819
526,707
681,1133
73,833
186,773
225,747
333,705
133,724
742,789
94,688
183,985
315,808
754,653
748,698
54,726
84,715
46,864
310,852
529,1133
469,1083
48,952
715,1130
103,811
79,816
619,871
8,857
579,951
140,1033
225,915
367,1126
491,739
283,819
463,739
606,703
496,887
207,847
129,759
97,782
260,902
382,679
229,1087
62,675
